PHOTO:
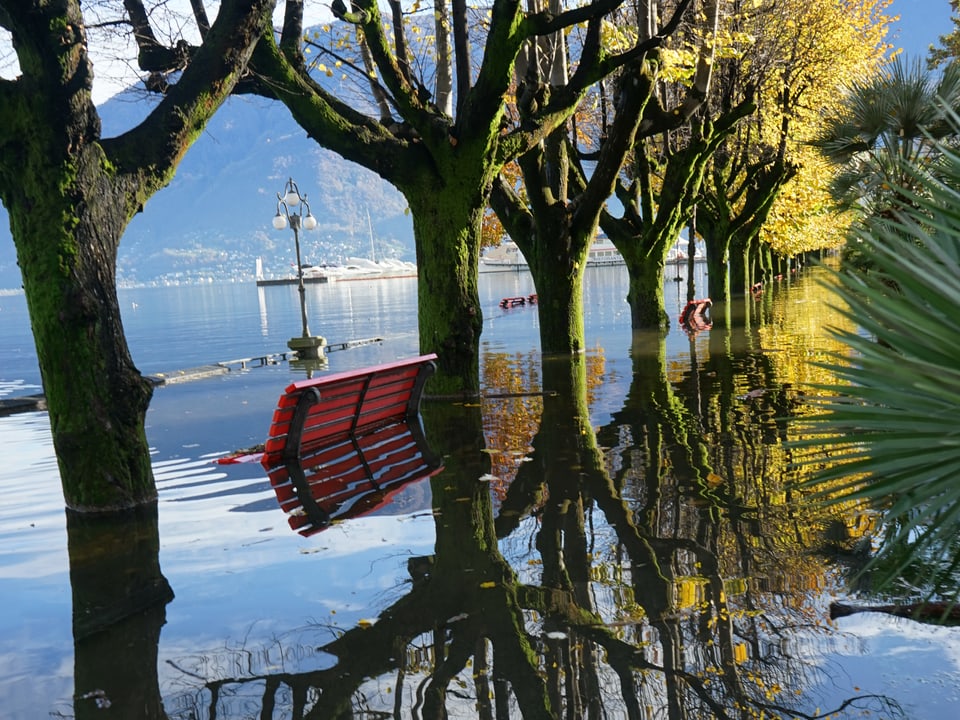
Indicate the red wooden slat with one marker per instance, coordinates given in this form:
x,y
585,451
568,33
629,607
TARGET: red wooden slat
x,y
350,402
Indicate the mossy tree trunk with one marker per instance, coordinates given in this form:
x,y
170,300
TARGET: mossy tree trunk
x,y
649,226
658,205
444,165
554,241
740,268
556,223
734,206
70,196
97,400
734,211
715,223
447,226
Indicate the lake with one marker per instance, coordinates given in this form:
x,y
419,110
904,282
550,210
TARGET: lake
x,y
619,537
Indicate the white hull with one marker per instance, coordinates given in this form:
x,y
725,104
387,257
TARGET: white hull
x,y
352,269
507,256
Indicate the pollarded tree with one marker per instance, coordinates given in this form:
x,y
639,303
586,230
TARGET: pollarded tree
x,y
794,55
70,194
444,162
675,141
555,217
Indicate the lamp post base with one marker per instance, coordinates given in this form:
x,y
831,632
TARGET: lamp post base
x,y
309,347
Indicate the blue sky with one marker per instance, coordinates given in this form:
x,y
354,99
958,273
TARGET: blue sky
x,y
921,24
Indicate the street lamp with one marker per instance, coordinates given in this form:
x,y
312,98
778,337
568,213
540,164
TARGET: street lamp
x,y
294,210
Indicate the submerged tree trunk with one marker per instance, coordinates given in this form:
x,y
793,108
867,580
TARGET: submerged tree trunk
x,y
733,213
652,221
740,275
645,294
718,274
644,235
96,397
560,301
70,195
119,606
447,228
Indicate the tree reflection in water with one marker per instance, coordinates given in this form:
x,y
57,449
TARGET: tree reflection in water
x,y
659,566
119,606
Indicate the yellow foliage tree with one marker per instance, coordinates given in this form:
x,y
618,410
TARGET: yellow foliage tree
x,y
797,56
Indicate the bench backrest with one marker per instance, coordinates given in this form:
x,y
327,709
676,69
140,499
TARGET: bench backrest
x,y
335,406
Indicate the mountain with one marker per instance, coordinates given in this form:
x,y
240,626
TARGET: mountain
x,y
215,217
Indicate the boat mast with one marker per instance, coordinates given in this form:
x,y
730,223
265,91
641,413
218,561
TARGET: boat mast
x,y
373,251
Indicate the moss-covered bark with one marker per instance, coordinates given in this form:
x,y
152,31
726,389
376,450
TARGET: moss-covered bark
x,y
733,208
70,196
557,220
658,205
97,399
447,226
554,236
644,244
443,168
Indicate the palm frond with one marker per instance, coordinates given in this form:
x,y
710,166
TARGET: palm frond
x,y
889,430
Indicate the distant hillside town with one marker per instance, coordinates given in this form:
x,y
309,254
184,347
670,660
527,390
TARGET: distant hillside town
x,y
215,219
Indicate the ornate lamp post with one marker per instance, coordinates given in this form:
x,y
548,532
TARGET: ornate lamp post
x,y
293,209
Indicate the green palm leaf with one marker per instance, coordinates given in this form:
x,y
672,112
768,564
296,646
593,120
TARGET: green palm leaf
x,y
889,431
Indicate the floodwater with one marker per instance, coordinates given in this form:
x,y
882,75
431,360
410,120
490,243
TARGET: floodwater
x,y
620,536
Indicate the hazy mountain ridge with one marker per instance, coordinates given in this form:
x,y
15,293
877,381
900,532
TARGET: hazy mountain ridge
x,y
214,219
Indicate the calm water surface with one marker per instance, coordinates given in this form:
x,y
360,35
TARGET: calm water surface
x,y
616,538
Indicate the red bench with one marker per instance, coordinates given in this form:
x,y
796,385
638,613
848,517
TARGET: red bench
x,y
696,315
340,442
510,302
334,406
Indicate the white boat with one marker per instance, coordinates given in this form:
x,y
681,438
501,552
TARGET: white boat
x,y
507,256
351,269
679,253
603,252
503,257
357,268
